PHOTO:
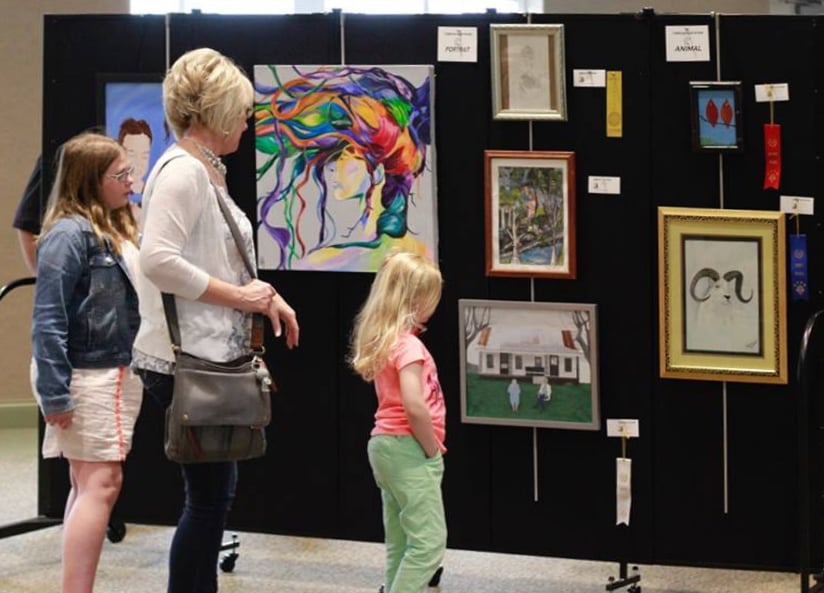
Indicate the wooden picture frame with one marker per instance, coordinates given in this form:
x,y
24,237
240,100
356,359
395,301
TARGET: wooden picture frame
x,y
530,213
716,115
528,72
722,302
529,364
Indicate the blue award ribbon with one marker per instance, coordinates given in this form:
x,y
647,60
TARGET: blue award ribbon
x,y
798,268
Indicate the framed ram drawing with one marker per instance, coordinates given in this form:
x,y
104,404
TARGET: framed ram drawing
x,y
529,364
722,305
530,213
528,72
716,116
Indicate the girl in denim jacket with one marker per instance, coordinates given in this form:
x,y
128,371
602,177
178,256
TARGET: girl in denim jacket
x,y
85,320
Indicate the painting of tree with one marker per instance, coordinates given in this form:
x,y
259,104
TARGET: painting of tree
x,y
530,213
531,221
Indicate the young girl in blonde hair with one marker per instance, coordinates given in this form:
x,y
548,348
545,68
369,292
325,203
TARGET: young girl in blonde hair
x,y
84,323
407,442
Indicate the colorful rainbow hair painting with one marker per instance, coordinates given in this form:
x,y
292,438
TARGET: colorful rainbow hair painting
x,y
303,123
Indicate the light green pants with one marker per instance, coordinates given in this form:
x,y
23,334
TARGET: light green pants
x,y
413,519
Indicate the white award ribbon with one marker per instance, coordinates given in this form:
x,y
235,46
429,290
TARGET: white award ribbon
x,y
623,490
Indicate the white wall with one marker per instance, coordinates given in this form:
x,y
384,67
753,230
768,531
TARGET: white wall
x,y
662,6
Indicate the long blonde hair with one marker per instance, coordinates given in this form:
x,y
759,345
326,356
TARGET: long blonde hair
x,y
404,294
84,160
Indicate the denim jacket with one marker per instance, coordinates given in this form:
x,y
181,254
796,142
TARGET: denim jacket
x,y
85,310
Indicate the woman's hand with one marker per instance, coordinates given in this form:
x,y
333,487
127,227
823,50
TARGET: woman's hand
x,y
256,297
280,313
62,420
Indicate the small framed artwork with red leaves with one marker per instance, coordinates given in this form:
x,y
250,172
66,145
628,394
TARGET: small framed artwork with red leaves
x,y
716,116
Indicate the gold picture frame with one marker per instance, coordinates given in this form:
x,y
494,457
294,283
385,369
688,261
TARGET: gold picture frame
x,y
722,304
528,72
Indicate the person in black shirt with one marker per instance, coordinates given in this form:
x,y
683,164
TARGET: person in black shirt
x,y
28,216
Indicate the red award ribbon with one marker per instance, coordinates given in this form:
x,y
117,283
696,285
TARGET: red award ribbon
x,y
772,155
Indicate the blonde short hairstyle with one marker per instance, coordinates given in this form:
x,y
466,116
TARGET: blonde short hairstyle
x,y
404,294
204,86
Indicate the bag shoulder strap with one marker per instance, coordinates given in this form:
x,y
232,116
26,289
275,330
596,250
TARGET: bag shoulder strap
x,y
258,324
169,305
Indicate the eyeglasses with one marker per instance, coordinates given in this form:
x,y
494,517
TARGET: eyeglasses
x,y
122,175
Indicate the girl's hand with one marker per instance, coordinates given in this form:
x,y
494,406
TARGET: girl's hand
x,y
62,420
279,313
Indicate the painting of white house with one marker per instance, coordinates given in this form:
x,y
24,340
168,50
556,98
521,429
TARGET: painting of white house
x,y
529,364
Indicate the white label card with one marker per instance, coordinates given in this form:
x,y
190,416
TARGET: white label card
x,y
623,427
764,93
590,78
688,43
797,205
604,185
457,44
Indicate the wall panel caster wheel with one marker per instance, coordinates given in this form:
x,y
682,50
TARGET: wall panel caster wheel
x,y
116,531
634,589
436,578
227,563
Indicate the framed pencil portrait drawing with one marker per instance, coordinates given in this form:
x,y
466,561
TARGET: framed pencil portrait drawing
x,y
528,72
530,213
716,116
722,305
529,364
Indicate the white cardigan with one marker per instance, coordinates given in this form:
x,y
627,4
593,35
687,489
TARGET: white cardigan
x,y
185,241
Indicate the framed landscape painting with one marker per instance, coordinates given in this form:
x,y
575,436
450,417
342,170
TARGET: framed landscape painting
x,y
529,364
530,213
722,305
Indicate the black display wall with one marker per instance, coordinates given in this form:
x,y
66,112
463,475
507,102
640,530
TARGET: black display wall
x,y
316,481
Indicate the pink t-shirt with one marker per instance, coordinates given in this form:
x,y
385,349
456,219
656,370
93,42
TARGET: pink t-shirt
x,y
391,415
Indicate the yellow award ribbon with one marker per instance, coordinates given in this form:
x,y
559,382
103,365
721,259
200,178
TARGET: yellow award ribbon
x,y
615,116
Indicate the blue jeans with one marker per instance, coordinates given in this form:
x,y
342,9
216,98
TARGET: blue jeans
x,y
210,490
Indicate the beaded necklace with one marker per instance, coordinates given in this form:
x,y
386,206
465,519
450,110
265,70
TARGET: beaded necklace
x,y
211,158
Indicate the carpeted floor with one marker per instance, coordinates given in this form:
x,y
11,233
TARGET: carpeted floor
x,y
30,563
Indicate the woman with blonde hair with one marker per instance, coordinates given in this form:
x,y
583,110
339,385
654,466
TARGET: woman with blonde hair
x,y
84,322
406,445
188,251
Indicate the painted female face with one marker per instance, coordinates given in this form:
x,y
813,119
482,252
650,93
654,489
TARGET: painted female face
x,y
138,147
347,176
116,184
